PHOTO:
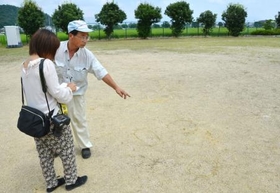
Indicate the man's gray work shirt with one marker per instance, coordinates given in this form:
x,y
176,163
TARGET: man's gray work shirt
x,y
77,68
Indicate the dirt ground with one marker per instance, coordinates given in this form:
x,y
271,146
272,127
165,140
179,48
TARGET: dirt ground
x,y
195,123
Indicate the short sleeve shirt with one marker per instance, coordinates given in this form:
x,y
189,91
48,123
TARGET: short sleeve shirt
x,y
77,68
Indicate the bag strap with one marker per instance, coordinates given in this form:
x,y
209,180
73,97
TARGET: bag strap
x,y
22,97
43,83
42,77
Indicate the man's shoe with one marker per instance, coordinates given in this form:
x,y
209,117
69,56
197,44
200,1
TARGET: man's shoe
x,y
60,181
86,153
80,181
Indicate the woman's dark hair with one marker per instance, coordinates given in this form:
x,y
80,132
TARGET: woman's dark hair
x,y
44,43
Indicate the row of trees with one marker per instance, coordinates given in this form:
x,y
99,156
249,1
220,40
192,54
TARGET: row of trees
x,y
31,17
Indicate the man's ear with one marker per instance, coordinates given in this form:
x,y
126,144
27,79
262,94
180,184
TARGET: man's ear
x,y
70,35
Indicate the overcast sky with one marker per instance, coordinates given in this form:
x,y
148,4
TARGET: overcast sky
x,y
256,9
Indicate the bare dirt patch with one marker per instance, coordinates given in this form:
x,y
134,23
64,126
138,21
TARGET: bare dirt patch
x,y
196,122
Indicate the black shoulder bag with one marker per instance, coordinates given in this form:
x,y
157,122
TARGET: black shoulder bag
x,y
32,121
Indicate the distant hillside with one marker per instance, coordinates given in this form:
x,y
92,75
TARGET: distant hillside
x,y
9,15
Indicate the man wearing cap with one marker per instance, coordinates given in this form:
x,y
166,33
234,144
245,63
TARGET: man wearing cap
x,y
73,63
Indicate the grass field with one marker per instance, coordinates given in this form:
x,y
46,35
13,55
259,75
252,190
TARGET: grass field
x,y
183,44
166,32
132,33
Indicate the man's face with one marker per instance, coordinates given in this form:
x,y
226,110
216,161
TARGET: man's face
x,y
79,40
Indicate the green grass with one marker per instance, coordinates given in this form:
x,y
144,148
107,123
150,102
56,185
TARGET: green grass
x,y
185,44
189,44
193,45
132,33
166,32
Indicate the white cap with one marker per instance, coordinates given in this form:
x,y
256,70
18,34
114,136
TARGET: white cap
x,y
78,25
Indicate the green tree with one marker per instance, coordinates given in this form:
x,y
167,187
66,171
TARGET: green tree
x,y
220,24
166,24
96,27
155,25
110,16
117,26
180,14
195,24
30,17
132,25
268,25
8,15
277,20
147,15
124,25
208,19
64,14
258,24
234,18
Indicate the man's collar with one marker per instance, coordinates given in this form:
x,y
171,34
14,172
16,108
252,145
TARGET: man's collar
x,y
67,50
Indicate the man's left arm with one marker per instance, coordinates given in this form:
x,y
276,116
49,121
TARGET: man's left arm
x,y
109,81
